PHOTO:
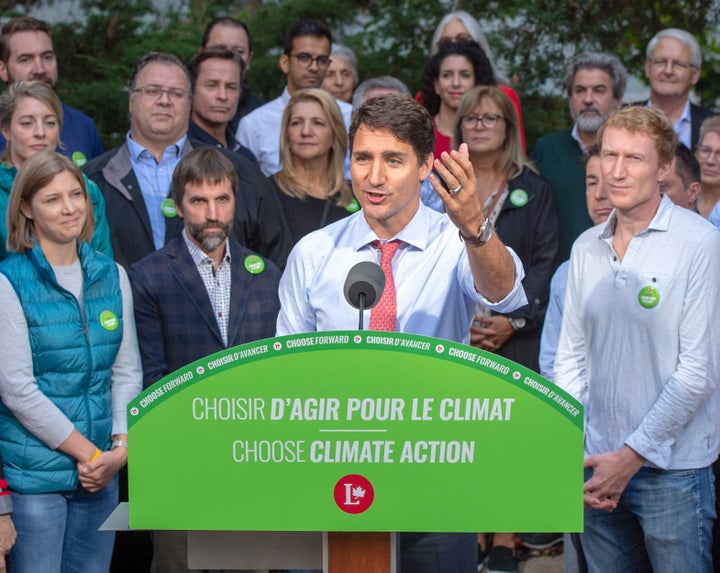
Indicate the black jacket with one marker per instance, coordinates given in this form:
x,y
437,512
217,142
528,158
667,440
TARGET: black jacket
x,y
533,232
258,223
697,116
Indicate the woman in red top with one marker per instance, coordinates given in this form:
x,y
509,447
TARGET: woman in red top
x,y
460,25
454,70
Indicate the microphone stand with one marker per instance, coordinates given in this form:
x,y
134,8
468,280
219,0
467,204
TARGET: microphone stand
x,y
361,308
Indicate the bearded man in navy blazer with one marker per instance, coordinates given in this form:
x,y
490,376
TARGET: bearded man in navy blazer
x,y
201,293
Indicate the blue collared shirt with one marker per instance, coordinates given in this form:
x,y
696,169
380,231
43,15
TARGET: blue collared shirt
x,y
154,179
646,374
714,216
436,295
683,126
553,321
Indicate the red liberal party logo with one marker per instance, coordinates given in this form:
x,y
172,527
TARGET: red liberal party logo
x,y
353,493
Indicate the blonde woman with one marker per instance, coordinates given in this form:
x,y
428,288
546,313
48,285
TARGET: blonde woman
x,y
69,365
311,186
31,118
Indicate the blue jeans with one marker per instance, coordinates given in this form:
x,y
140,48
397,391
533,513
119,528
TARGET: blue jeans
x,y
438,552
59,531
664,518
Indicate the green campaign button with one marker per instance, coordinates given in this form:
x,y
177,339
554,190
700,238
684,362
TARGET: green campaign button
x,y
254,264
648,297
168,208
78,158
519,197
353,206
108,320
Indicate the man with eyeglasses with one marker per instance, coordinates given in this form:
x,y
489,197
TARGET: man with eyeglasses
x,y
672,66
27,53
595,85
305,60
135,177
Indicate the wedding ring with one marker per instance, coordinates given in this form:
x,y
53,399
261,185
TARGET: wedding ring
x,y
456,190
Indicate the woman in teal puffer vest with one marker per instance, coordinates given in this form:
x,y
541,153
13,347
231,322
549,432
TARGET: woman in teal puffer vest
x,y
69,365
19,103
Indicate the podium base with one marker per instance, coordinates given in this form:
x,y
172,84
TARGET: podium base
x,y
333,552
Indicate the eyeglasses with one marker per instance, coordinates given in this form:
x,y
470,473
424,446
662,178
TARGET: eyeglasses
x,y
661,64
702,153
488,121
306,60
154,91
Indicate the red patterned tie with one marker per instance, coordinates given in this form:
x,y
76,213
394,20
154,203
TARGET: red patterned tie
x,y
383,316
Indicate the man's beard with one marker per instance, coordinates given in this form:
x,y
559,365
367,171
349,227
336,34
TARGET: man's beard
x,y
44,78
209,241
590,123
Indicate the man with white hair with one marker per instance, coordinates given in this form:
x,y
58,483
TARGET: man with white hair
x,y
672,67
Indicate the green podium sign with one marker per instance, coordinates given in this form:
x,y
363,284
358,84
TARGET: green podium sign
x,y
355,431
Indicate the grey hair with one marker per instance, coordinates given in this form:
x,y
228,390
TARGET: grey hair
x,y
598,61
157,58
349,56
476,33
681,36
380,82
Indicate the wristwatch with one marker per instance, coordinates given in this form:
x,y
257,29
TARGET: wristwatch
x,y
483,236
517,323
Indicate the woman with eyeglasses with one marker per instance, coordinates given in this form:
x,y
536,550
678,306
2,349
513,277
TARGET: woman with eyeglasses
x,y
311,186
69,365
30,119
519,204
708,155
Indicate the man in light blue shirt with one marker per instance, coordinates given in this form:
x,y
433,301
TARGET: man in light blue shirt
x,y
438,276
640,348
305,59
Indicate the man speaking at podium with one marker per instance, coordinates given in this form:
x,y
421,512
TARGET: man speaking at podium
x,y
433,277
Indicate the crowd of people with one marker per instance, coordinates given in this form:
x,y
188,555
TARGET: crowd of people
x,y
222,219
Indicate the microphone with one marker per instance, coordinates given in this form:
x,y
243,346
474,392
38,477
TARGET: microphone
x,y
364,286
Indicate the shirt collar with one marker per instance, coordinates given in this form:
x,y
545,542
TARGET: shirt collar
x,y
415,233
199,134
575,134
659,222
136,149
200,257
684,116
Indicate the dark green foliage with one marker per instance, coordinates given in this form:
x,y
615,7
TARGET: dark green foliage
x,y
531,40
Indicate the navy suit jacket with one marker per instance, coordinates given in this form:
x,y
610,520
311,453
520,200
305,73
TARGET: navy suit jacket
x,y
175,320
697,116
258,219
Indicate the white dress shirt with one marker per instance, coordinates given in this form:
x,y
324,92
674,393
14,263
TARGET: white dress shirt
x,y
436,295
